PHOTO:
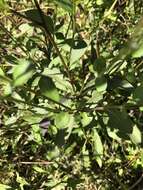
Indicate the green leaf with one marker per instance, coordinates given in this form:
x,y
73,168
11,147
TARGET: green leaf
x,y
86,159
136,136
3,187
21,181
35,17
99,2
67,5
3,5
101,84
39,169
113,134
97,146
35,134
99,66
85,120
48,88
120,121
96,97
62,120
60,82
1,72
77,51
139,52
138,95
7,89
22,72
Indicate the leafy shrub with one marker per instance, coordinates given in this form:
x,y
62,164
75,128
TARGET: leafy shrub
x,y
71,94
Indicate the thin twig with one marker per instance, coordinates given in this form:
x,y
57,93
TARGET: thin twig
x,y
49,99
31,104
41,162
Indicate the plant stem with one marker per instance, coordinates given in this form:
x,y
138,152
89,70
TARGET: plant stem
x,y
54,44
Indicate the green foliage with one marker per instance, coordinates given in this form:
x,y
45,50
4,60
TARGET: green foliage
x,y
65,4
71,94
48,88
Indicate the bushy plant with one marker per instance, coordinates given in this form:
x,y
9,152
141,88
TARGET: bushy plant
x,y
71,94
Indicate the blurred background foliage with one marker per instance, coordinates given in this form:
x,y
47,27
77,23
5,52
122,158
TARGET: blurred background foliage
x,y
71,94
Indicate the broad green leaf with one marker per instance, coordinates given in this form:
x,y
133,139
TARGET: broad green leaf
x,y
60,82
48,88
136,136
22,72
99,66
67,5
4,187
101,84
31,117
120,121
62,120
85,119
34,16
96,97
97,147
113,134
77,51
138,95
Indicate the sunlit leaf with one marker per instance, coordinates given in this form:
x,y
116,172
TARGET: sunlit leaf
x,y
62,120
86,119
85,154
77,51
101,84
4,187
48,88
60,82
136,136
39,169
97,147
21,181
96,97
22,72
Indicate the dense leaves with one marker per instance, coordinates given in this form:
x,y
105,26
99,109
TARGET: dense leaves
x,y
71,94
